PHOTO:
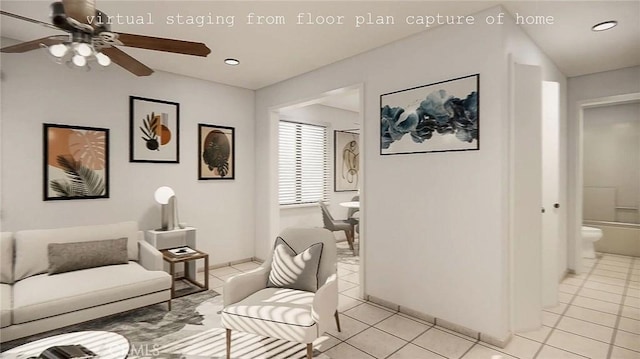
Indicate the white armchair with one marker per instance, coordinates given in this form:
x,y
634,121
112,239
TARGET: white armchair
x,y
289,314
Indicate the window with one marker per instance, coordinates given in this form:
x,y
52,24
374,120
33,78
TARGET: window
x,y
303,168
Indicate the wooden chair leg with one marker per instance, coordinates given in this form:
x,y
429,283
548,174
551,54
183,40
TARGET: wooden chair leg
x,y
337,321
169,304
228,343
309,350
349,235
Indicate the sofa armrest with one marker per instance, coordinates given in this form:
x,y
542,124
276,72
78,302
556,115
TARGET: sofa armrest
x,y
149,256
325,302
243,285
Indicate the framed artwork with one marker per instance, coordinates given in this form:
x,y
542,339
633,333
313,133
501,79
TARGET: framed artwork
x,y
216,152
346,151
154,130
76,162
439,117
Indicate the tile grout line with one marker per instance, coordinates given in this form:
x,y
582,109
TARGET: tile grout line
x,y
409,341
624,296
544,342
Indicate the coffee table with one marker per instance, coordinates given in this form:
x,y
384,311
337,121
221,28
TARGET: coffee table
x,y
106,345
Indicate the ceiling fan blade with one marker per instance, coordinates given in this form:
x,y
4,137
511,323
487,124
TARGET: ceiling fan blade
x,y
80,10
163,44
34,44
127,62
24,18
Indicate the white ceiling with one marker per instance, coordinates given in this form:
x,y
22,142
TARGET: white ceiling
x,y
273,53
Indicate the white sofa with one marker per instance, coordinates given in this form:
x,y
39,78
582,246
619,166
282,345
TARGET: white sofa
x,y
32,301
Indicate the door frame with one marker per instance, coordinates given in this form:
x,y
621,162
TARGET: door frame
x,y
575,243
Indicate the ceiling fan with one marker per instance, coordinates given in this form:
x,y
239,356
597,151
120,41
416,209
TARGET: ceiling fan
x,y
90,38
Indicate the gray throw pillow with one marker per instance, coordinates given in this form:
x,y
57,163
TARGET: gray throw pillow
x,y
67,257
292,270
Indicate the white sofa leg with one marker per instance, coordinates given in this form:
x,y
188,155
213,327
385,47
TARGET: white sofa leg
x,y
309,350
228,343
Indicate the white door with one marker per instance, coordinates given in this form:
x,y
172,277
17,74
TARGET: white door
x,y
550,191
526,198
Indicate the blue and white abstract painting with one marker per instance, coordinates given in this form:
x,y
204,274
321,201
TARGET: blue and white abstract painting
x,y
433,118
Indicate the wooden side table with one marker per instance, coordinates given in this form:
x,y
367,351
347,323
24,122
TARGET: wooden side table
x,y
186,259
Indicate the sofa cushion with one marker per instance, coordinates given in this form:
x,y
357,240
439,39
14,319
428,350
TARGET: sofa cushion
x,y
31,245
67,257
6,257
274,312
43,295
292,270
5,305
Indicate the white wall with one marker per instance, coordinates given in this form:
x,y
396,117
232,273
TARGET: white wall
x,y
435,239
36,90
334,119
612,159
582,88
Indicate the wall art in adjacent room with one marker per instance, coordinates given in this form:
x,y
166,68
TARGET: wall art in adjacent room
x,y
346,161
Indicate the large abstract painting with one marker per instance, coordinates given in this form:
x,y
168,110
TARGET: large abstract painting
x,y
439,117
216,152
346,161
154,132
76,162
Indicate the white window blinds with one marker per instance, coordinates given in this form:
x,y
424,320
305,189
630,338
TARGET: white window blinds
x,y
303,169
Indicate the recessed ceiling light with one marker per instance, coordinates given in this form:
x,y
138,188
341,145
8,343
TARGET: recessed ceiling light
x,y
604,25
232,62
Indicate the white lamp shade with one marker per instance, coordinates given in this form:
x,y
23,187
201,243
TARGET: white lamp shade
x,y
163,194
83,49
103,59
58,50
79,60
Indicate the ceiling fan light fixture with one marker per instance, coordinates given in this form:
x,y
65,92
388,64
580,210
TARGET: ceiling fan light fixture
x,y
232,62
103,59
606,25
58,50
83,49
79,60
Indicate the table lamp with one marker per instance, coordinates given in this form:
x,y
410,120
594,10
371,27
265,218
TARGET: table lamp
x,y
167,199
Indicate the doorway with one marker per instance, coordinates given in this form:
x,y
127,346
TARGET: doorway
x,y
578,173
338,112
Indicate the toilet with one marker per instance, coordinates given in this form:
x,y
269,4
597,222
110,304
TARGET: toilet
x,y
589,236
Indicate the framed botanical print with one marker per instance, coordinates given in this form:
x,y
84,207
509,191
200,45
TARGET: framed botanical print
x,y
154,130
216,152
76,162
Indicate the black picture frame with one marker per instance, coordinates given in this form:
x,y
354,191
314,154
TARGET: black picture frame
x,y
346,160
75,162
154,130
439,117
216,152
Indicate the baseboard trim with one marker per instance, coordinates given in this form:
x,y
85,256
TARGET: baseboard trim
x,y
501,343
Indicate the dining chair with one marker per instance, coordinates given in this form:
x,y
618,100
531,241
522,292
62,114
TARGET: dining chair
x,y
338,225
352,211
291,296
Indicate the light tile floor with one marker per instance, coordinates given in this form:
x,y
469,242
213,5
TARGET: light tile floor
x,y
598,316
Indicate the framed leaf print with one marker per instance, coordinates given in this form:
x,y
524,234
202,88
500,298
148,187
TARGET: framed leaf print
x,y
216,152
76,162
154,132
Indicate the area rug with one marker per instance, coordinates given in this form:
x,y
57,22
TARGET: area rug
x,y
151,326
192,329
